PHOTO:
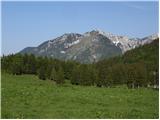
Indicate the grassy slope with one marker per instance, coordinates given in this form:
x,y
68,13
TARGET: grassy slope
x,y
28,97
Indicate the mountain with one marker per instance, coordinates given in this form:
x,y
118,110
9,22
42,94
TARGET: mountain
x,y
88,47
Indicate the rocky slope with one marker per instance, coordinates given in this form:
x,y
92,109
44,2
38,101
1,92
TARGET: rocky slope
x,y
88,47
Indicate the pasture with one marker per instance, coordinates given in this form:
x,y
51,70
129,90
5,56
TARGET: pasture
x,y
26,96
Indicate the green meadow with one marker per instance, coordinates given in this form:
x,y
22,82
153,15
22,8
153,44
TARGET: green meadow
x,y
25,96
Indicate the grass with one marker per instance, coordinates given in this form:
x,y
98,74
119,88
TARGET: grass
x,y
26,96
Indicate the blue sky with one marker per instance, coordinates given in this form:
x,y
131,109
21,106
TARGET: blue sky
x,y
31,23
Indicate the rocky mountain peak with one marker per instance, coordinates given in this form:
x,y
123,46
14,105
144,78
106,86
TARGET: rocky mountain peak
x,y
97,32
88,47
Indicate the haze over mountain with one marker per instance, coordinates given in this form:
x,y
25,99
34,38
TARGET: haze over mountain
x,y
89,47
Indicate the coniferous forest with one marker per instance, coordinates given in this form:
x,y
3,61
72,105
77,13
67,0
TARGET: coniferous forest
x,y
136,68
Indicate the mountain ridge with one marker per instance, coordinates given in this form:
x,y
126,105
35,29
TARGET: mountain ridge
x,y
89,47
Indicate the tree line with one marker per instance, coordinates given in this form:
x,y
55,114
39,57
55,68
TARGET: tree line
x,y
136,68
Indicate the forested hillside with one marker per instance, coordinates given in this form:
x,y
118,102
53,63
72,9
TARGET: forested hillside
x,y
136,68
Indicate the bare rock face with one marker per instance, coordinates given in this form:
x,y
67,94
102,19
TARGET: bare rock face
x,y
88,47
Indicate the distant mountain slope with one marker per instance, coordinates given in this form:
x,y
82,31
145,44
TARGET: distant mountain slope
x,y
88,47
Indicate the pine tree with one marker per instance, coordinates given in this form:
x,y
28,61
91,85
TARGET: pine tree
x,y
53,75
75,76
17,64
60,76
108,81
42,73
93,75
32,64
130,76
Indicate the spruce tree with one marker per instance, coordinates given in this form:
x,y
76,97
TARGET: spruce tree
x,y
60,76
42,73
17,64
53,74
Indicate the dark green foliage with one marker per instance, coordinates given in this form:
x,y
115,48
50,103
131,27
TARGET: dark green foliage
x,y
59,77
84,74
53,74
93,72
68,69
136,75
17,65
42,73
29,64
6,63
118,74
75,77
